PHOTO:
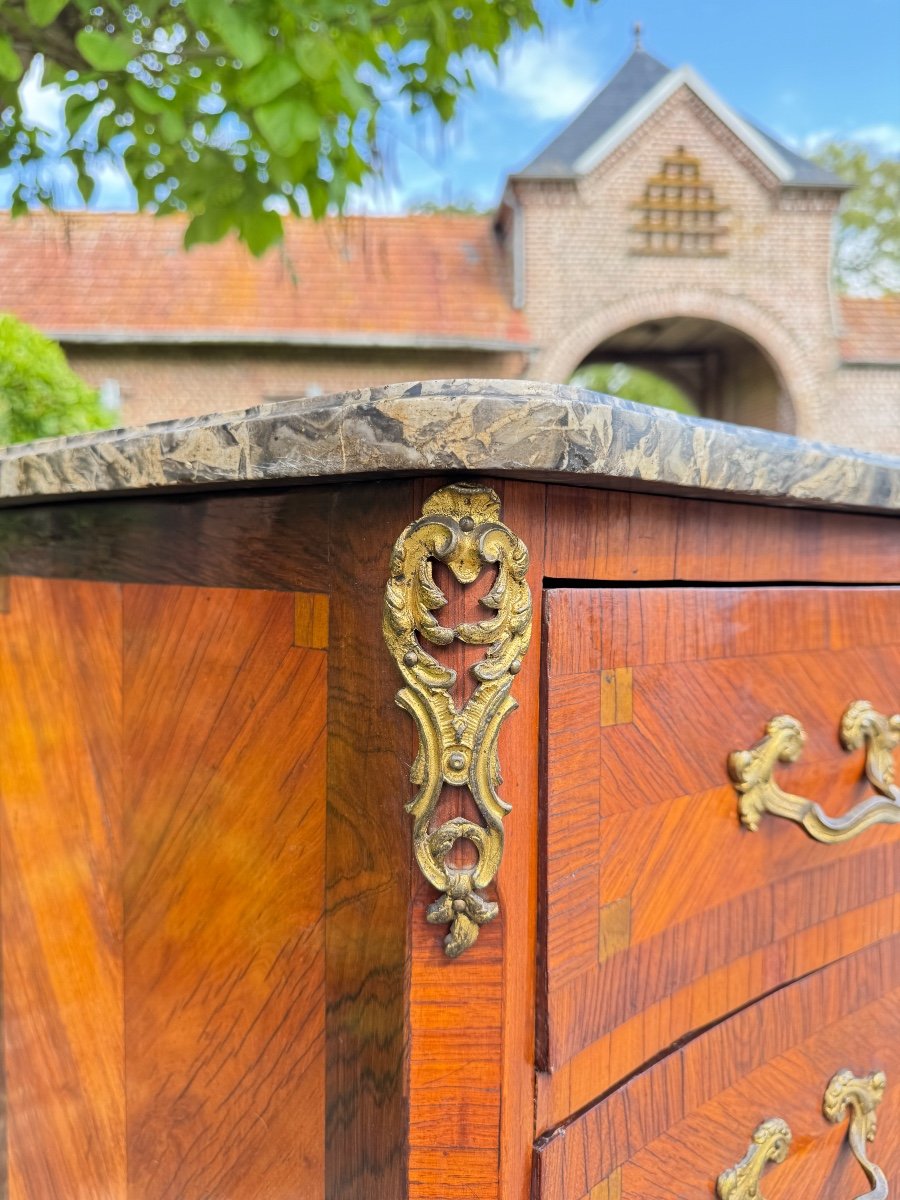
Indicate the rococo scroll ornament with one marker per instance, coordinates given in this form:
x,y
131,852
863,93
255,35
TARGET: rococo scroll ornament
x,y
770,1144
858,1097
861,726
460,526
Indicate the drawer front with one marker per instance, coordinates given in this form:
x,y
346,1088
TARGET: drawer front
x,y
662,912
671,1131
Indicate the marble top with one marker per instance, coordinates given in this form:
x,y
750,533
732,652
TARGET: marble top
x,y
492,427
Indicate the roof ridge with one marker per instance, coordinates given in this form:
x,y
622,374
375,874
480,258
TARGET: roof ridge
x,y
638,73
640,85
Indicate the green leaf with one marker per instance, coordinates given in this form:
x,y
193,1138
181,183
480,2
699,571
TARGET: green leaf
x,y
287,123
207,227
10,63
40,395
317,194
225,191
445,105
440,26
171,125
42,12
241,34
275,122
307,122
267,81
148,100
357,93
261,230
104,53
85,186
315,56
78,109
355,167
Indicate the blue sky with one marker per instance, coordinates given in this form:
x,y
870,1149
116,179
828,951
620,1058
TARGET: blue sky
x,y
806,70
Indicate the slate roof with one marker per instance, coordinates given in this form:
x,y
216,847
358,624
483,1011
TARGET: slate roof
x,y
630,84
416,280
805,172
638,76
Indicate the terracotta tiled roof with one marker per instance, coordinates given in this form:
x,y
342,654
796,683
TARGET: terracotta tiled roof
x,y
438,277
870,329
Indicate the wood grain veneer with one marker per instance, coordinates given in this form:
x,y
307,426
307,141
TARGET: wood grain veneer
x,y
670,1131
60,863
368,859
201,681
153,919
662,912
606,535
224,841
277,539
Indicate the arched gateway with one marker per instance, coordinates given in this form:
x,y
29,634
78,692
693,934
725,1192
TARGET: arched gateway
x,y
726,354
662,229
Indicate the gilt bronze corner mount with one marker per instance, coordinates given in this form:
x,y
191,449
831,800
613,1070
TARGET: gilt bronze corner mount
x,y
460,526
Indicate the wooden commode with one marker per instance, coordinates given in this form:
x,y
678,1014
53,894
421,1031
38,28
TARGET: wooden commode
x,y
451,791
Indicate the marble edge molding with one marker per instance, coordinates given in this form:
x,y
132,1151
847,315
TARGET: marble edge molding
x,y
498,427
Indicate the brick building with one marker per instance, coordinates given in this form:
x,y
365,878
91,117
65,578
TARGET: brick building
x,y
659,228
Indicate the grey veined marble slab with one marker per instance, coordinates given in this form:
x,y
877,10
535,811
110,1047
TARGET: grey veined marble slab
x,y
497,427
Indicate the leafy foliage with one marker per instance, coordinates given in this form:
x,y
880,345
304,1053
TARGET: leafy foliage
x,y
867,254
218,105
40,394
633,383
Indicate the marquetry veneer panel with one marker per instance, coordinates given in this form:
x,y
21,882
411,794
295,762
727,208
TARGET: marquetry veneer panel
x,y
663,914
163,808
671,1130
62,789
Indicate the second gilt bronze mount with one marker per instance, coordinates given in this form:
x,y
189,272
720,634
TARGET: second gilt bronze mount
x,y
460,526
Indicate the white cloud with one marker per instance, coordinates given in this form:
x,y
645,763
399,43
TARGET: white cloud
x,y
808,143
548,78
882,138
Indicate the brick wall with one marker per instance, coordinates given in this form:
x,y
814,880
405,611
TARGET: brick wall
x,y
161,382
866,409
584,283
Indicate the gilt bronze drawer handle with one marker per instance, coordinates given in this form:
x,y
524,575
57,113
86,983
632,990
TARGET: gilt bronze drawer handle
x,y
461,527
770,1144
859,1096
752,771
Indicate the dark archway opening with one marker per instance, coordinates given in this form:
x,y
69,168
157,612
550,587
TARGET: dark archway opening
x,y
720,372
634,383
